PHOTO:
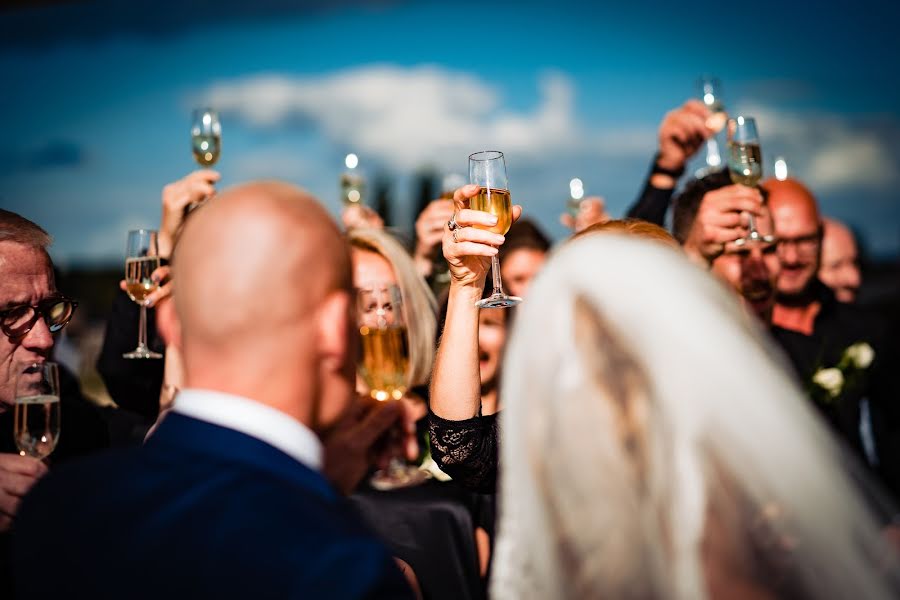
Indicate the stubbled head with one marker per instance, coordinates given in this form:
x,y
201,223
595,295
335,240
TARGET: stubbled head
x,y
262,295
799,232
839,268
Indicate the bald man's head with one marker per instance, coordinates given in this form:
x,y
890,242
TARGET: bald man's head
x,y
256,270
840,261
798,228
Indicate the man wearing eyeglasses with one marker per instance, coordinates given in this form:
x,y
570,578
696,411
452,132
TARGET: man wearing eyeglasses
x,y
816,330
31,312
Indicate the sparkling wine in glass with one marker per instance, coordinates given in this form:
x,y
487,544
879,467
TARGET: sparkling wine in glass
x,y
206,137
142,258
745,165
711,94
384,365
36,414
487,170
352,182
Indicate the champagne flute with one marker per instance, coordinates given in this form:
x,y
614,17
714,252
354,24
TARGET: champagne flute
x,y
487,170
352,182
576,193
745,165
206,137
711,94
142,258
36,412
385,365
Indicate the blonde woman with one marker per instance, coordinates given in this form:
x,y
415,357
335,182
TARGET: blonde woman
x,y
433,526
378,258
653,446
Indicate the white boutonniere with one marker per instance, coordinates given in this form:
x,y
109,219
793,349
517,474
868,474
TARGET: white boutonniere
x,y
829,382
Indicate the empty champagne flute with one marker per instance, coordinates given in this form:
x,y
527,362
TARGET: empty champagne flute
x,y
206,137
745,166
711,94
36,413
142,258
487,170
384,366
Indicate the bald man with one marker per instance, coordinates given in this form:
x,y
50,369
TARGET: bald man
x,y
839,268
227,499
815,330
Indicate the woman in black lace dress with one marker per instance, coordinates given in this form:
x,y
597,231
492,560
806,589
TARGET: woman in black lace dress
x,y
464,399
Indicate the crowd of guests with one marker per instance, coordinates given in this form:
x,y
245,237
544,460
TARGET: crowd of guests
x,y
659,418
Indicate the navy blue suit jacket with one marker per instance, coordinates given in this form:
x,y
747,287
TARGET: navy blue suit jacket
x,y
200,511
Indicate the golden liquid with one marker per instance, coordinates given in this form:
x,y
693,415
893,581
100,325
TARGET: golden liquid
x,y
745,163
448,195
351,189
206,149
36,428
496,202
138,283
385,361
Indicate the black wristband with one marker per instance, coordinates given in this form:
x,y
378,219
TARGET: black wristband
x,y
673,173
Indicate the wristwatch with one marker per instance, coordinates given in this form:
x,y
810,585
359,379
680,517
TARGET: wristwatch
x,y
673,173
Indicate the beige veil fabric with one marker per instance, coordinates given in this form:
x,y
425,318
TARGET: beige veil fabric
x,y
648,426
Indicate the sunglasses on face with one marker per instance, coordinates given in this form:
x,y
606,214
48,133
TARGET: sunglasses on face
x,y
19,320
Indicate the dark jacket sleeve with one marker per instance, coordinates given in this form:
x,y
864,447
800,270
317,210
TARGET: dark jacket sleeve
x,y
133,384
652,204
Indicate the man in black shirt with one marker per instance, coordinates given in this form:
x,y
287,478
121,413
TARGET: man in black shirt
x,y
839,352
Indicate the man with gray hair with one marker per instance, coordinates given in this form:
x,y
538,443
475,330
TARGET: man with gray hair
x,y
31,312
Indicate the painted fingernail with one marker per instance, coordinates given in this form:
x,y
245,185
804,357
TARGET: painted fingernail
x,y
493,219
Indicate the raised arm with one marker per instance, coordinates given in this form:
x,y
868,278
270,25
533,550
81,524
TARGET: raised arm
x,y
681,134
455,385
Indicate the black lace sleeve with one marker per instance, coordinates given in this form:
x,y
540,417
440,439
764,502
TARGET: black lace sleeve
x,y
466,450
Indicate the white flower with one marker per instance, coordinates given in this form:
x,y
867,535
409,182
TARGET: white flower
x,y
831,380
860,355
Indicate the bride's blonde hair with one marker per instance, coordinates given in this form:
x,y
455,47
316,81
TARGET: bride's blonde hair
x,y
644,413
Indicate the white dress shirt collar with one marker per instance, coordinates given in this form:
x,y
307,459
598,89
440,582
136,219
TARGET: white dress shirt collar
x,y
254,419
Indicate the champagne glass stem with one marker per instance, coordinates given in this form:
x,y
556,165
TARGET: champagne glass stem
x,y
142,329
713,158
752,223
498,283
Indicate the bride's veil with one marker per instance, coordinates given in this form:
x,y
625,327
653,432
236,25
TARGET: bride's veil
x,y
650,434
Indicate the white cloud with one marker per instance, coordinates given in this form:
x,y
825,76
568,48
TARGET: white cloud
x,y
407,117
827,151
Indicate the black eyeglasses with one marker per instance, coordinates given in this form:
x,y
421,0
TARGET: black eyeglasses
x,y
19,320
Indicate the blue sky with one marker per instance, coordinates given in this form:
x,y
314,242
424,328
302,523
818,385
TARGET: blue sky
x,y
95,112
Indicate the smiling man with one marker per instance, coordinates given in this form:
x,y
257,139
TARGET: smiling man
x,y
710,214
816,330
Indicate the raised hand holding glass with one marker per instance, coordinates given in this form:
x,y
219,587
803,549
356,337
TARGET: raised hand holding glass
x,y
487,170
